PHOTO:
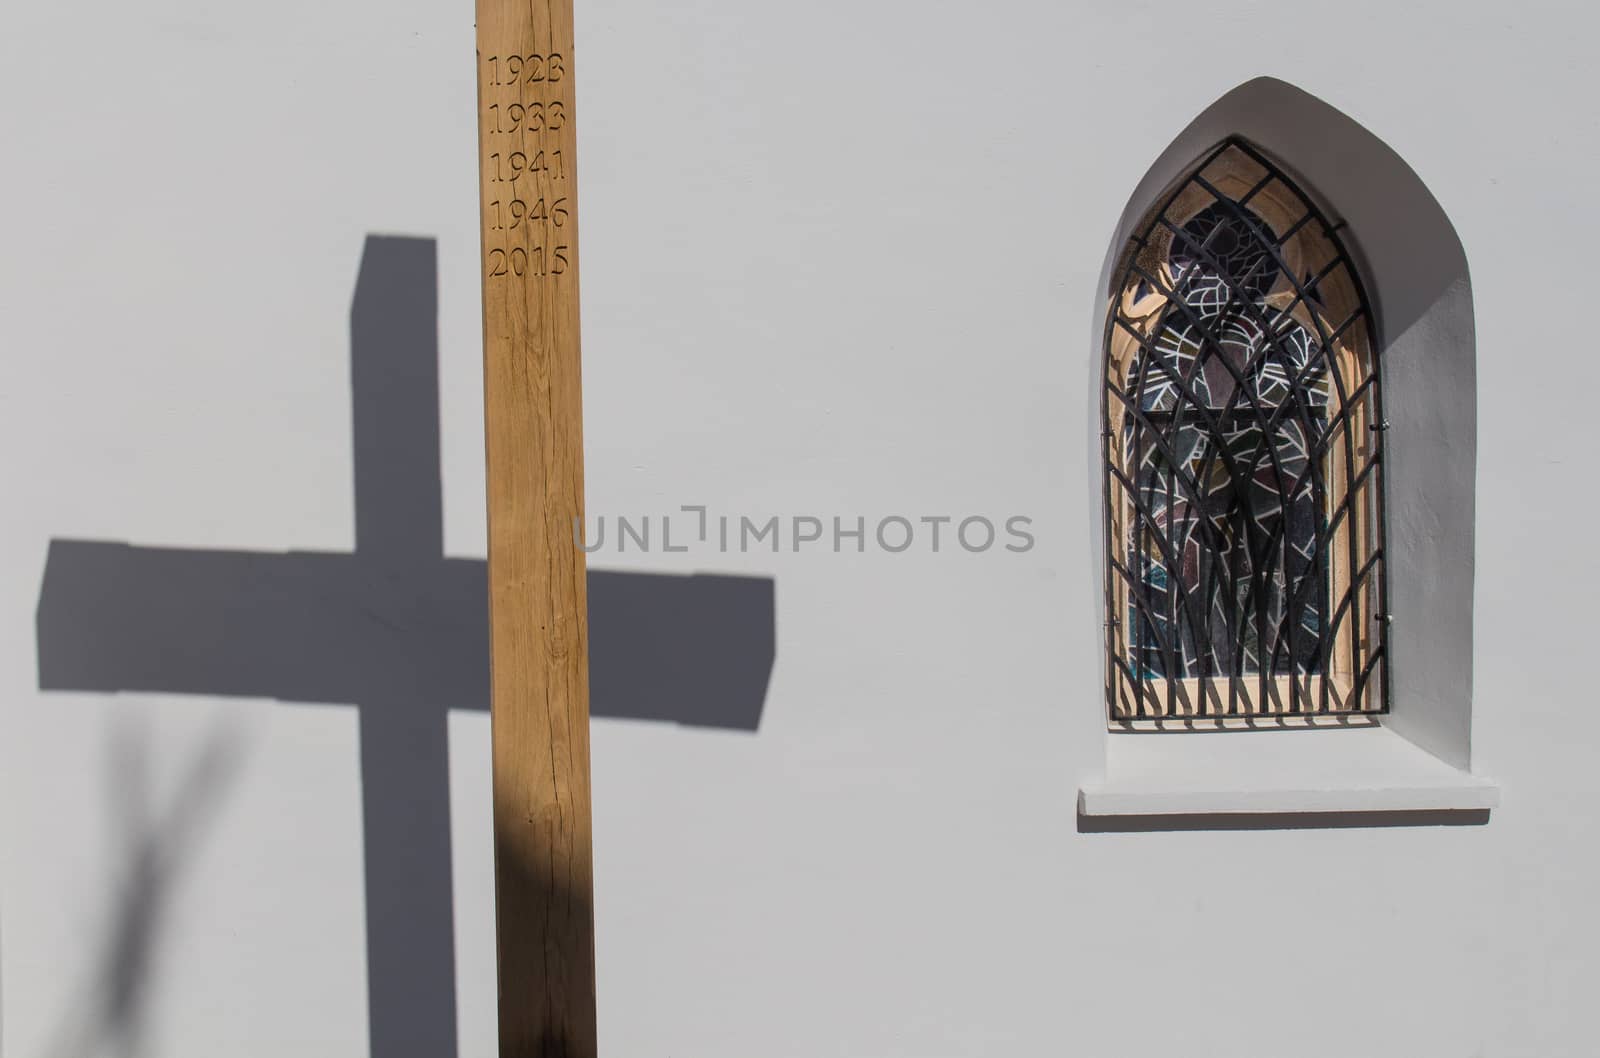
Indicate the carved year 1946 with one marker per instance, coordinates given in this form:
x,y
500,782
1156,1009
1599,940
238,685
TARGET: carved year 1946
x,y
516,211
524,113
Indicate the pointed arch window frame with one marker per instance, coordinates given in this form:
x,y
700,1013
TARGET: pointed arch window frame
x,y
1318,287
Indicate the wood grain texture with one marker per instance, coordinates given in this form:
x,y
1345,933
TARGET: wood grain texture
x,y
538,610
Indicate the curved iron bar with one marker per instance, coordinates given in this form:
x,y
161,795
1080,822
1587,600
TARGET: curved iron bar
x,y
1338,260
1242,387
1330,232
1129,253
1273,332
1197,525
1344,509
1137,584
1163,544
1356,583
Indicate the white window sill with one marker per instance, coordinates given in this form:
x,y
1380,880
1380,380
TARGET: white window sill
x,y
1369,769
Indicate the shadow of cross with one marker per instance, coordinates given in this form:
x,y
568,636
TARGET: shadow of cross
x,y
398,630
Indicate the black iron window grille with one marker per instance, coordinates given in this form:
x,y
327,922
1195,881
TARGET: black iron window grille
x,y
1243,432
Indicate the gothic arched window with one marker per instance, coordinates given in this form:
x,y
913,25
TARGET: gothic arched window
x,y
1243,429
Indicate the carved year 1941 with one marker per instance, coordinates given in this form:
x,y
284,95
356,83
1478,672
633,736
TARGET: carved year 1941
x,y
524,170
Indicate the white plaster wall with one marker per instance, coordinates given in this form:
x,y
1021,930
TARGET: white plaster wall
x,y
839,258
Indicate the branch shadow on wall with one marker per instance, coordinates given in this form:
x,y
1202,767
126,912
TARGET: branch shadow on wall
x,y
398,630
155,849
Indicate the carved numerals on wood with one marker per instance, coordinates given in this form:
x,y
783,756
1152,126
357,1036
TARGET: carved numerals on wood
x,y
524,108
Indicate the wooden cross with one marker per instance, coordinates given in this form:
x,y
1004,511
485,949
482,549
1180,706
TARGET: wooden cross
x,y
399,630
539,634
312,627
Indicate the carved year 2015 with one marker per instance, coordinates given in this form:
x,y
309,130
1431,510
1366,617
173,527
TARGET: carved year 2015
x,y
521,116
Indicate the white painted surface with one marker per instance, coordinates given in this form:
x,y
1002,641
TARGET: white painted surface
x,y
889,866
1358,770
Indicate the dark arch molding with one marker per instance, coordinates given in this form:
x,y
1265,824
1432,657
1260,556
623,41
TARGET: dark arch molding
x,y
1420,289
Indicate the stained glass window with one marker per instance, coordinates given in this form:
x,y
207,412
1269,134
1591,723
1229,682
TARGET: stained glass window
x,y
1243,431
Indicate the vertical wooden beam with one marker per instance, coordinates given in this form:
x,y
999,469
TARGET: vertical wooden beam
x,y
537,605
